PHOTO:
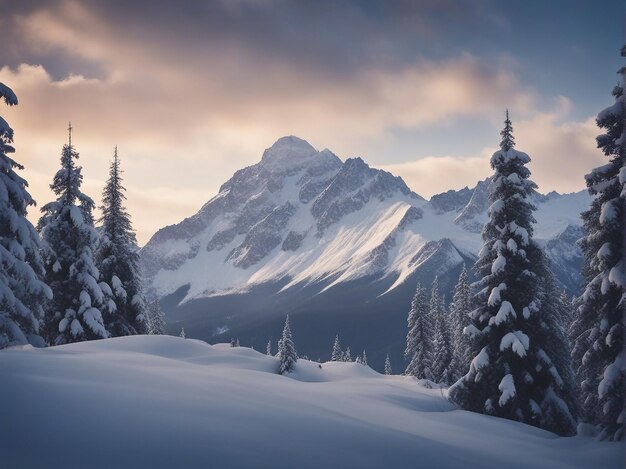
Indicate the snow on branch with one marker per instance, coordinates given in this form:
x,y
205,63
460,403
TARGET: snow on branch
x,y
8,95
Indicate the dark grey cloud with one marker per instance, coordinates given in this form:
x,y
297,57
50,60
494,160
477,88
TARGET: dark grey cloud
x,y
327,37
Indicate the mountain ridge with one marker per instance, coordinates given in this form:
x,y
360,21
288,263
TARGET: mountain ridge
x,y
285,204
304,232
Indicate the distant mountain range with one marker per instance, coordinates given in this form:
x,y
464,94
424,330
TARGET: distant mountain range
x,y
338,245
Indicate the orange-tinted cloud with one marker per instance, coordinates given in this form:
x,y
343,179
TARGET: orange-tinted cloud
x,y
186,116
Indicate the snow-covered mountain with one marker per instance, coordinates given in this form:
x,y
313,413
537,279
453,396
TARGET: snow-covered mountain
x,y
298,214
284,234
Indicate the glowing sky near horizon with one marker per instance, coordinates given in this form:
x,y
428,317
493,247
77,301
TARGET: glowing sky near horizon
x,y
191,91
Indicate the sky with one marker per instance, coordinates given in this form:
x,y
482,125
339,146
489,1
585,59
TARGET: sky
x,y
191,91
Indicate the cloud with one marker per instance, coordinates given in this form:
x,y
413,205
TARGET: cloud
x,y
562,152
193,91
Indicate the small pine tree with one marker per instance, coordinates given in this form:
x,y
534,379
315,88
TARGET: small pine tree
x,y
347,356
287,350
69,241
268,348
364,358
599,329
459,316
117,258
237,343
442,349
182,333
233,344
436,302
23,294
155,317
337,354
388,370
419,336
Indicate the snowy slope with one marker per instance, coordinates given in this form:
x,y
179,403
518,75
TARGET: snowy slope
x,y
302,216
161,402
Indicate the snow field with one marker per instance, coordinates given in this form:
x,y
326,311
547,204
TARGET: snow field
x,y
162,401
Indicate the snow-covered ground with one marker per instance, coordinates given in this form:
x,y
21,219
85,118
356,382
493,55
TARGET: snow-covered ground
x,y
160,401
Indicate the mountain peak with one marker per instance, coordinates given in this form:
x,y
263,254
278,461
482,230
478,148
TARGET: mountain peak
x,y
288,151
291,141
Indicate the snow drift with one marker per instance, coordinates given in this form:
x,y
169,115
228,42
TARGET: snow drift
x,y
162,402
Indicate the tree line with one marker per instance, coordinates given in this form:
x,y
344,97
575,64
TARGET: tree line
x,y
72,278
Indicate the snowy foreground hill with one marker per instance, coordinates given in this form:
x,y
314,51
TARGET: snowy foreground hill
x,y
163,402
336,244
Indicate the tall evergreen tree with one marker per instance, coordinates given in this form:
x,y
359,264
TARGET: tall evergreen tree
x,y
23,293
441,348
337,354
68,244
513,374
118,259
287,350
436,302
599,328
388,370
419,336
459,318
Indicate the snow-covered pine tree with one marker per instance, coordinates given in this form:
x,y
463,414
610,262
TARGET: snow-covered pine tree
x,y
68,243
156,317
513,374
599,328
555,319
287,350
182,333
419,336
148,321
23,293
459,318
364,358
117,259
347,356
268,348
388,370
441,347
337,354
